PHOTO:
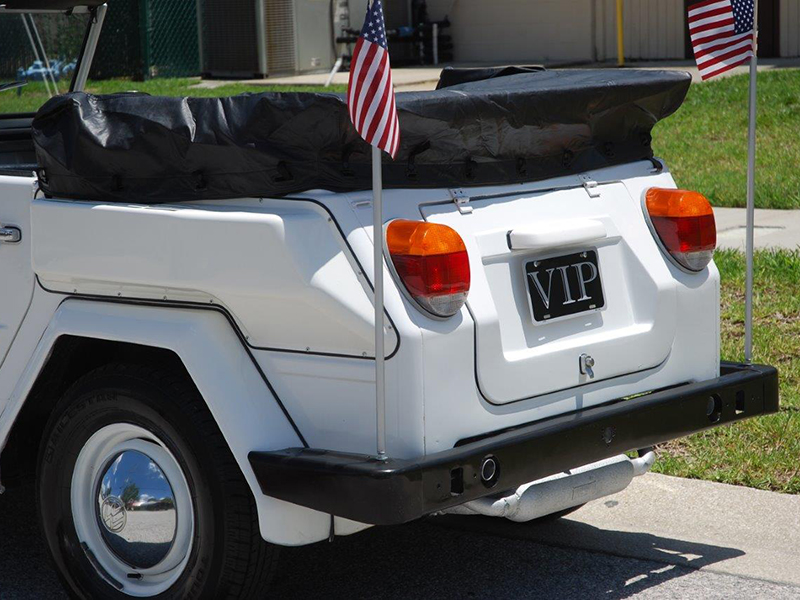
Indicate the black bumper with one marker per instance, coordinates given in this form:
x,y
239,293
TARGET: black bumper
x,y
361,488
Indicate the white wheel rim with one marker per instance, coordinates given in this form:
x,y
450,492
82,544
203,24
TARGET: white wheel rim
x,y
97,459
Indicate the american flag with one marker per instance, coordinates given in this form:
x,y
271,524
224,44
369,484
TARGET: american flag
x,y
370,94
722,34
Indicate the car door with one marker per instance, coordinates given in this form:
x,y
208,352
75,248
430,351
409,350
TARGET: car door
x,y
16,274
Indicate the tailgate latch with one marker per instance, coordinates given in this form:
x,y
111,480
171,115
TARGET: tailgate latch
x,y
461,200
586,365
590,185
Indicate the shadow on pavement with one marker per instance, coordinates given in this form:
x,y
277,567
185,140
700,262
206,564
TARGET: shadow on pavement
x,y
481,557
470,557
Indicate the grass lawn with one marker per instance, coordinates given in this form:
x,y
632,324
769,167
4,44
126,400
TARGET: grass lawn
x,y
33,95
762,452
705,142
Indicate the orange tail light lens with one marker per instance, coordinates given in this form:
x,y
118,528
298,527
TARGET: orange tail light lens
x,y
432,263
684,223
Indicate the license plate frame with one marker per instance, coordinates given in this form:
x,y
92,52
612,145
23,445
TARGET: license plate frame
x,y
573,266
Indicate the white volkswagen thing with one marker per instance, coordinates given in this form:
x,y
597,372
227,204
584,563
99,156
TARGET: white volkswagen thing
x,y
187,356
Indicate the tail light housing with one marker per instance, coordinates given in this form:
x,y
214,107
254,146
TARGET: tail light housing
x,y
431,262
683,222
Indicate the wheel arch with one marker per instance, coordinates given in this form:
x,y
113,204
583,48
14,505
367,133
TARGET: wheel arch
x,y
70,358
203,344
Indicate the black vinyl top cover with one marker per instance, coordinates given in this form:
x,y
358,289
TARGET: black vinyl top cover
x,y
514,128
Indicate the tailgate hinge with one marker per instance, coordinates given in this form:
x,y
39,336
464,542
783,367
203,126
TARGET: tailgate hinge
x,y
590,185
461,200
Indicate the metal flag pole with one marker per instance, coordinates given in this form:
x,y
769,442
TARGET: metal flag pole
x,y
380,366
751,196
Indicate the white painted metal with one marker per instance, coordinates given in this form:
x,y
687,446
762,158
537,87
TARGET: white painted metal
x,y
560,491
281,267
16,277
286,274
244,408
555,234
437,358
632,332
93,459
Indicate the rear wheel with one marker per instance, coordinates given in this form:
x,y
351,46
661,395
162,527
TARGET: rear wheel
x,y
140,496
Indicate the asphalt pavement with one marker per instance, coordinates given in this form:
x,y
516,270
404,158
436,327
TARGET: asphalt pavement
x,y
662,538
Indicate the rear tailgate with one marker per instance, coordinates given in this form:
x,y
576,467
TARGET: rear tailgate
x,y
618,306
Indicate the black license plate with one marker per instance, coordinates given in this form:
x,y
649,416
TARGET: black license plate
x,y
564,285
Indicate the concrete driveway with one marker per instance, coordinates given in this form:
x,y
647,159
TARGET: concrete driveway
x,y
773,228
662,538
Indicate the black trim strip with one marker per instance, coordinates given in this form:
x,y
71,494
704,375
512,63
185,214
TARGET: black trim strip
x,y
358,262
230,317
365,489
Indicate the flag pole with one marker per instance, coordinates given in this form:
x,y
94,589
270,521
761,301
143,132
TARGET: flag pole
x,y
751,196
380,367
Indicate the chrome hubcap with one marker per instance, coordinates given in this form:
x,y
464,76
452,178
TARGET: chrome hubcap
x,y
136,506
132,510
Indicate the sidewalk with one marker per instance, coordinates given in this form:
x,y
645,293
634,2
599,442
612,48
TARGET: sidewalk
x,y
764,64
408,79
405,79
773,228
696,524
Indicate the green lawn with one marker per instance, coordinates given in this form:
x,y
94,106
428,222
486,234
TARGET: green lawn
x,y
33,95
762,452
705,142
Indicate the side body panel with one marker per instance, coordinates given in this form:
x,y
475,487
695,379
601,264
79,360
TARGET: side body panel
x,y
447,349
280,267
245,409
16,277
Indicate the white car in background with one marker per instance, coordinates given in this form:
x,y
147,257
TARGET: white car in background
x,y
186,326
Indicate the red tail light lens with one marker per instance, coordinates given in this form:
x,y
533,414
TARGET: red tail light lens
x,y
684,222
432,263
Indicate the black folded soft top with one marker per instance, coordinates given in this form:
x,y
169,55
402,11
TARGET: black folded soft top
x,y
514,128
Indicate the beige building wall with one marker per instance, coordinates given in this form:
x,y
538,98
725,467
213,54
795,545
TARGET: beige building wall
x,y
790,28
518,30
653,29
561,30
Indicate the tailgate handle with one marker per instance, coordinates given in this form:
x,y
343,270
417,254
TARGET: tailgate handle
x,y
552,234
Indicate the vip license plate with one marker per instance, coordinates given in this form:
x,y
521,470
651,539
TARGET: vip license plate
x,y
564,285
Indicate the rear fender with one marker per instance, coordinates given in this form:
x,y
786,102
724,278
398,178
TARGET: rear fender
x,y
238,395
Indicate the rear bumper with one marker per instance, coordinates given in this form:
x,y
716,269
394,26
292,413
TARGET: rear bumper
x,y
363,489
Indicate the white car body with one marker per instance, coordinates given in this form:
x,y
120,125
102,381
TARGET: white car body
x,y
268,304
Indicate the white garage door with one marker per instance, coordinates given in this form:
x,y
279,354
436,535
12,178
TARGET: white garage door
x,y
654,29
561,30
790,27
518,30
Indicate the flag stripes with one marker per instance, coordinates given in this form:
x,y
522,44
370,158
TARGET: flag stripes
x,y
721,32
370,93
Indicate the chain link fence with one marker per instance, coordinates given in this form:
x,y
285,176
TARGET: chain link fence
x,y
60,35
170,38
141,39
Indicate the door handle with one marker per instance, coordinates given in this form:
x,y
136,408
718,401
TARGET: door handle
x,y
10,235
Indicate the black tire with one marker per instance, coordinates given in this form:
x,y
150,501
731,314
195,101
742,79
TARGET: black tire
x,y
228,558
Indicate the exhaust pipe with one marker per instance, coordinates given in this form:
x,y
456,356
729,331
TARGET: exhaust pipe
x,y
561,491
